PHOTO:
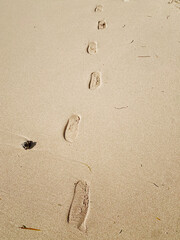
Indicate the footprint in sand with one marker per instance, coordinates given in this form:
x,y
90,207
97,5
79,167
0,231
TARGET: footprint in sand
x,y
78,211
95,80
92,48
72,128
102,24
99,8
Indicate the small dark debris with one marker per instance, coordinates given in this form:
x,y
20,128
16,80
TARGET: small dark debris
x,y
23,227
132,41
141,165
59,204
124,26
28,144
120,231
155,185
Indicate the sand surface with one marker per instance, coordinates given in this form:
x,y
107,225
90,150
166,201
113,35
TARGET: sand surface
x,y
126,147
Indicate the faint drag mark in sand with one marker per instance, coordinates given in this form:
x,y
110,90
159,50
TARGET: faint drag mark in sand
x,y
99,8
92,48
119,108
64,159
79,208
85,164
14,139
102,24
95,80
72,128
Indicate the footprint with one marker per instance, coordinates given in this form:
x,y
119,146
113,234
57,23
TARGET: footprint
x,y
99,8
95,80
102,24
92,48
72,128
78,211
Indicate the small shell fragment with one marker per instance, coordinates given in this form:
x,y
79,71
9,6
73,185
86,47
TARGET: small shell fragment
x,y
92,48
95,80
102,24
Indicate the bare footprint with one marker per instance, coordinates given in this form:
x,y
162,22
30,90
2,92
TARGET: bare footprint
x,y
72,128
92,48
78,211
102,24
99,8
95,80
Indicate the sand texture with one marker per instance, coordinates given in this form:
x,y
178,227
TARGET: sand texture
x,y
89,95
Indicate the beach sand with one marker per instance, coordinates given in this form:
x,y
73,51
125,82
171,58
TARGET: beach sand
x,y
124,140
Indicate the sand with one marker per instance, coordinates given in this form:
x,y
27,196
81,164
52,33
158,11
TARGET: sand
x,y
127,145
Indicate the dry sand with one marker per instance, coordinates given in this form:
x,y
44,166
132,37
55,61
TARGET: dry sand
x,y
127,144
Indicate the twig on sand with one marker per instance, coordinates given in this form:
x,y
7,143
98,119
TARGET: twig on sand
x,y
34,229
155,185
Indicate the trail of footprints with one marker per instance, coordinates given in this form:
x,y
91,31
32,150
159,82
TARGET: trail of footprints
x,y
79,208
72,127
